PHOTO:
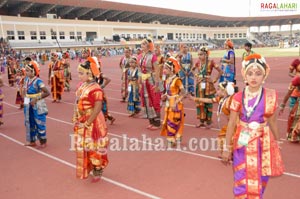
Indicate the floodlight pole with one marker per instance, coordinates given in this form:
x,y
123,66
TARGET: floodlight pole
x,y
56,39
291,32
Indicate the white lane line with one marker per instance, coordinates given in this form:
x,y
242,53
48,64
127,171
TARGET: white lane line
x,y
291,174
118,99
129,188
178,150
182,151
190,109
115,112
118,113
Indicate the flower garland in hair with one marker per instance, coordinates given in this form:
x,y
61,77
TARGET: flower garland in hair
x,y
150,43
253,56
256,60
93,67
206,50
176,65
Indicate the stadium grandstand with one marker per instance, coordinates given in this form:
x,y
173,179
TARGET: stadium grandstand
x,y
38,24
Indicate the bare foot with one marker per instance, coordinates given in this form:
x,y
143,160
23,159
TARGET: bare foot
x,y
31,144
112,121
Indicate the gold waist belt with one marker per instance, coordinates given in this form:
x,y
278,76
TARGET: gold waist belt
x,y
86,112
146,76
34,95
253,125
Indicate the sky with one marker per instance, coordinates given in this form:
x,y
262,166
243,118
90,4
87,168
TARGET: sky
x,y
227,8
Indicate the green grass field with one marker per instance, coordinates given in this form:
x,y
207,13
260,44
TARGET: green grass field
x,y
265,52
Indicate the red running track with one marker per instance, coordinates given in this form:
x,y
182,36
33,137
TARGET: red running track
x,y
183,173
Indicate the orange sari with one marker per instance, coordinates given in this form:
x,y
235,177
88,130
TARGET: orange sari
x,y
90,143
57,80
174,119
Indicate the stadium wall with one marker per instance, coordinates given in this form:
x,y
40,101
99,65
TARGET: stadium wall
x,y
41,30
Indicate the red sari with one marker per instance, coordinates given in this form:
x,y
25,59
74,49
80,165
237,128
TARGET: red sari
x,y
150,99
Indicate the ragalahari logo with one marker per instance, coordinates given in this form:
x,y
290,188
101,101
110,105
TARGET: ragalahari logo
x,y
283,6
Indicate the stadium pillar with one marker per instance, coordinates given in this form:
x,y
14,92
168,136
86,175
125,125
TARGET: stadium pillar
x,y
291,32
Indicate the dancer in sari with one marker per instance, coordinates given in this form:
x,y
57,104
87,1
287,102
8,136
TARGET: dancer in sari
x,y
205,86
21,74
90,128
134,102
173,122
124,66
228,63
65,62
253,129
224,97
11,71
56,78
293,128
35,109
150,93
186,73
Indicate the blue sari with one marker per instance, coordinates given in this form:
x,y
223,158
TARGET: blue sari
x,y
134,102
228,69
188,80
35,123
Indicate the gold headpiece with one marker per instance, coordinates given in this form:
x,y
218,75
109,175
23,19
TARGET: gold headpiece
x,y
257,61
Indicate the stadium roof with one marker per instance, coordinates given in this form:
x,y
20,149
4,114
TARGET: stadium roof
x,y
111,11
